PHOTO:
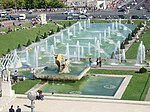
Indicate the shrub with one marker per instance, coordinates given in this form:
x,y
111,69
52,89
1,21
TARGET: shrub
x,y
69,23
126,41
44,36
19,47
29,42
8,51
37,39
64,26
122,46
129,37
143,70
58,29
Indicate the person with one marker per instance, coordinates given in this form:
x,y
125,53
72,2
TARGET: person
x,y
97,61
90,61
11,109
18,109
100,61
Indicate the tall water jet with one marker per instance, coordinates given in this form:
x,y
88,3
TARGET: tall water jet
x,y
62,37
55,42
67,52
113,27
78,51
108,31
100,38
52,52
98,48
117,51
105,35
74,30
68,32
46,46
123,54
84,25
120,23
27,55
89,48
82,52
95,41
116,25
80,28
141,53
89,23
36,48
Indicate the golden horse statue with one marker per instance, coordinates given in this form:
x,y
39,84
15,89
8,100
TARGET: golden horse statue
x,y
58,60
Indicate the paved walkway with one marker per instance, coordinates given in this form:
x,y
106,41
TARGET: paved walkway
x,y
64,104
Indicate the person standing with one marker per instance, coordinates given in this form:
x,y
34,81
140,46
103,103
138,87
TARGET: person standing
x,y
11,109
18,109
90,62
100,61
97,62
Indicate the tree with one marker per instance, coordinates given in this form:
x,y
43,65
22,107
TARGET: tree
x,y
37,39
29,42
58,29
126,41
19,47
8,50
45,35
64,25
129,37
122,46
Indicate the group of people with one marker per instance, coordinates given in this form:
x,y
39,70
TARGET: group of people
x,y
98,62
11,109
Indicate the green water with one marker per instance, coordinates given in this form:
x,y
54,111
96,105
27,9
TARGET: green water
x,y
93,85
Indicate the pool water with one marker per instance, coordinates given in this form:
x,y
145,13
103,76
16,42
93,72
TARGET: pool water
x,y
91,85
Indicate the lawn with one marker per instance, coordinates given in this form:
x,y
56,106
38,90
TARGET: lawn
x,y
132,52
138,86
12,39
23,86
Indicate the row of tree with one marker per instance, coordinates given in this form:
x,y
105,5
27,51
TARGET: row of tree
x,y
30,4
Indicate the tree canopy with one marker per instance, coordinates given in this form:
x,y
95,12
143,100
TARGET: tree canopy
x,y
30,4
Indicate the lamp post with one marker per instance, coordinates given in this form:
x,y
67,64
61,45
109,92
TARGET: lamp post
x,y
32,96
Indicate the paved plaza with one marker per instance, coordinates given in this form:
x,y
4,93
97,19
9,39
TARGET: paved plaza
x,y
66,104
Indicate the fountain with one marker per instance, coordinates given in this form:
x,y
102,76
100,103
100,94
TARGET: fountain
x,y
123,55
141,54
46,46
74,30
52,52
67,51
27,56
105,35
89,48
97,41
70,60
62,37
78,51
55,43
109,32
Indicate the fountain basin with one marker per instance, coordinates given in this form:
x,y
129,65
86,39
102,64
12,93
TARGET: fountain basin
x,y
51,73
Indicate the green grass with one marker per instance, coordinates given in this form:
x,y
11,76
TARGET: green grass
x,y
138,86
23,86
132,52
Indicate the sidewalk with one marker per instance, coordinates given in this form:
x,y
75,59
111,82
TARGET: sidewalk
x,y
64,104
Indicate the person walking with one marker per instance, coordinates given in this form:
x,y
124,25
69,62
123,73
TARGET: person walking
x,y
11,109
18,109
